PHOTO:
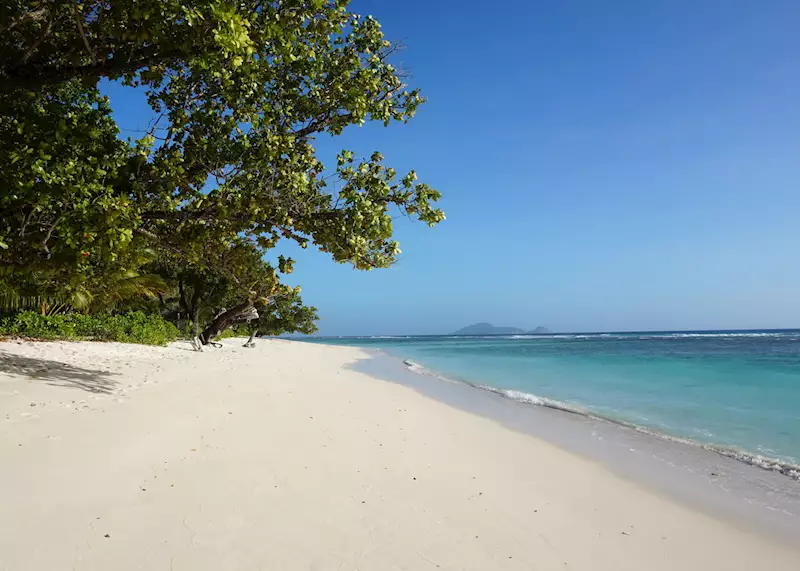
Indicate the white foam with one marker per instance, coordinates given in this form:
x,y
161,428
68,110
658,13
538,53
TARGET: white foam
x,y
783,467
420,370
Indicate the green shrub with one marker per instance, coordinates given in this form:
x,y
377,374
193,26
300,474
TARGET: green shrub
x,y
239,330
133,327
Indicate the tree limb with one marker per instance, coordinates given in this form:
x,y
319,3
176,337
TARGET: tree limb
x,y
33,16
17,77
78,18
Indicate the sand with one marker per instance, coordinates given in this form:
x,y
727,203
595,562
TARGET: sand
x,y
280,457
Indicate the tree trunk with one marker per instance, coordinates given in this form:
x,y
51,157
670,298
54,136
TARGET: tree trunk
x,y
196,329
243,312
195,321
193,309
182,297
250,342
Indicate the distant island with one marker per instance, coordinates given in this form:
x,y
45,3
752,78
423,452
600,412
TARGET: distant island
x,y
489,329
540,331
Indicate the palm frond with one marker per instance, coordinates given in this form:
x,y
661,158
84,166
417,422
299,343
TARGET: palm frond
x,y
127,286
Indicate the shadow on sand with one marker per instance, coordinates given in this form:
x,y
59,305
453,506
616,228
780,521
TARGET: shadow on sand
x,y
58,374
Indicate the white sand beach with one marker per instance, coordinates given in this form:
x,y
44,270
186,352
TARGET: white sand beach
x,y
280,457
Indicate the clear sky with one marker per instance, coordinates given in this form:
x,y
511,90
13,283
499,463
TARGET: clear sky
x,y
620,165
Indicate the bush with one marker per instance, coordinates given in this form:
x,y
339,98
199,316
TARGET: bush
x,y
133,327
239,330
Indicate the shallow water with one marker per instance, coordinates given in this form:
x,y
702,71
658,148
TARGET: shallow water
x,y
763,501
739,391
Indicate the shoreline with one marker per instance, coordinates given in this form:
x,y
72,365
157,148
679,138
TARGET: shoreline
x,y
722,484
291,456
730,392
776,465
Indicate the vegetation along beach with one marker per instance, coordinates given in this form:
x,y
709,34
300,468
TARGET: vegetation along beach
x,y
199,369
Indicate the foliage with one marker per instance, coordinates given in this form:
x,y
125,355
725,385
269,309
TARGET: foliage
x,y
246,286
232,332
285,314
107,288
60,161
224,278
240,90
50,41
133,327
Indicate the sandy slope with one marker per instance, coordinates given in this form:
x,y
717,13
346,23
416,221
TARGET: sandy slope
x,y
124,457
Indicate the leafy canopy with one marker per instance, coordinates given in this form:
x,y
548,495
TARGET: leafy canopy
x,y
286,314
239,89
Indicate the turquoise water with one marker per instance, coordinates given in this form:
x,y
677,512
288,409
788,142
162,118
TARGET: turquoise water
x,y
739,390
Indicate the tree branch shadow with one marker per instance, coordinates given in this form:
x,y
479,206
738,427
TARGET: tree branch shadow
x,y
58,374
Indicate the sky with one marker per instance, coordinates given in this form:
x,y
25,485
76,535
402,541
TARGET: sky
x,y
605,166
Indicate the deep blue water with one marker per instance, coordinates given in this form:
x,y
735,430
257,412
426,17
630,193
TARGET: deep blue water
x,y
733,389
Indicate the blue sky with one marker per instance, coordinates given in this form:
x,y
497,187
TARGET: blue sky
x,y
619,165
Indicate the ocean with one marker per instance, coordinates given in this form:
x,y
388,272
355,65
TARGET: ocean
x,y
735,392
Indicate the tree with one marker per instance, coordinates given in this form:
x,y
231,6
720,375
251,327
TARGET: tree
x,y
239,92
284,313
235,277
250,281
